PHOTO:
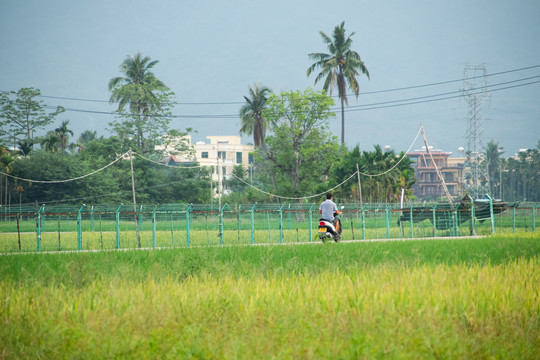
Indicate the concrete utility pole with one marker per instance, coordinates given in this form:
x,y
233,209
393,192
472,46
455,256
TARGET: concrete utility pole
x,y
134,199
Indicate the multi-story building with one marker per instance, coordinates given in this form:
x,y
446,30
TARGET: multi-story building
x,y
428,184
220,152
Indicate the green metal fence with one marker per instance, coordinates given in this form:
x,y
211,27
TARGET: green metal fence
x,y
100,227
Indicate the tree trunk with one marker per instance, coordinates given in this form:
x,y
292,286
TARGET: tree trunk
x,y
342,124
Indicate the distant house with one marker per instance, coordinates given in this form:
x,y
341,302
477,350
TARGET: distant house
x,y
221,153
428,184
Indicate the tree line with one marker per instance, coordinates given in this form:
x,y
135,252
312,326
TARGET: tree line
x,y
295,153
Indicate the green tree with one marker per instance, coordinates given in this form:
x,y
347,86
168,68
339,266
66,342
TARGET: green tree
x,y
520,176
45,165
63,133
87,136
492,153
339,68
300,150
6,167
51,142
251,114
148,101
25,147
21,115
382,188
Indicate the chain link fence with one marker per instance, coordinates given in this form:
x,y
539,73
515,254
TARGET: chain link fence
x,y
104,227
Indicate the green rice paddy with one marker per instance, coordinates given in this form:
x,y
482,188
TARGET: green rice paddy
x,y
430,299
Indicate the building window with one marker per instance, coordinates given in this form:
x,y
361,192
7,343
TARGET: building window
x,y
221,155
238,157
204,155
250,158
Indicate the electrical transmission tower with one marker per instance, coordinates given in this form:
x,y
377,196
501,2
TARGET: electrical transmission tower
x,y
475,91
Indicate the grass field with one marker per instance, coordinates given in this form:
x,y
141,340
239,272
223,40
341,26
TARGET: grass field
x,y
430,299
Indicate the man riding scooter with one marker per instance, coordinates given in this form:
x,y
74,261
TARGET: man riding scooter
x,y
328,210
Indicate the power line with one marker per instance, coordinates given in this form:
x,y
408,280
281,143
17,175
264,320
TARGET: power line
x,y
444,96
448,81
357,172
371,106
65,180
439,99
335,96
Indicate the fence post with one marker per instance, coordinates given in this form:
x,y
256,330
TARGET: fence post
x,y
281,224
140,218
435,219
289,221
310,223
491,213
533,217
514,217
154,227
388,222
221,224
238,217
472,228
188,224
117,217
364,222
253,224
172,230
411,220
456,222
38,227
79,230
92,218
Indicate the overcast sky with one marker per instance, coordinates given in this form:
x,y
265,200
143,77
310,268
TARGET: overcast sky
x,y
210,52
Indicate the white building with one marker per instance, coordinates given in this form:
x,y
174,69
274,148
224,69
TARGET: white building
x,y
220,152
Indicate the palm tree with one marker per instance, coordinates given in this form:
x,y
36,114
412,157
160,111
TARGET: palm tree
x,y
339,68
87,136
51,142
62,133
132,89
142,92
25,147
251,114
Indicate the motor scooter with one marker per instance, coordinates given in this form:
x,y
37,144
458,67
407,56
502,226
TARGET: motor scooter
x,y
327,229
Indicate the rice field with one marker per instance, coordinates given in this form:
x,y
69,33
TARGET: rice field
x,y
457,298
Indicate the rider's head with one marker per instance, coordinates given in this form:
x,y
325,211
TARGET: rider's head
x,y
329,196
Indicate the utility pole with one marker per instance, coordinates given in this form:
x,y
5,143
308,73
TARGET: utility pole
x,y
359,184
134,199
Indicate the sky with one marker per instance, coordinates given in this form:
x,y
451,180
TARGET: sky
x,y
211,52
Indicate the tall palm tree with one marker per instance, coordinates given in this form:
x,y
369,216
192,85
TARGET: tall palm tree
x,y
137,88
143,94
132,88
251,114
339,68
62,131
